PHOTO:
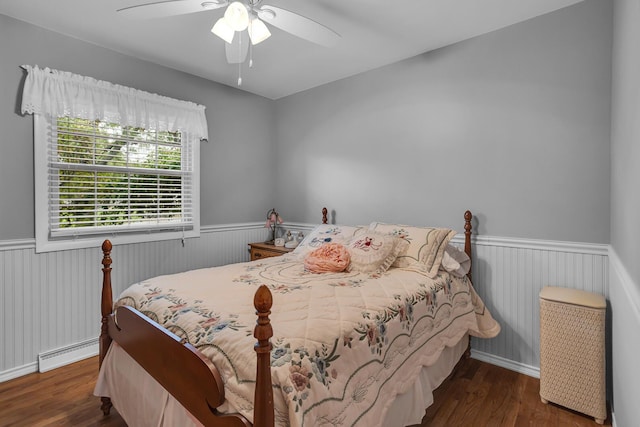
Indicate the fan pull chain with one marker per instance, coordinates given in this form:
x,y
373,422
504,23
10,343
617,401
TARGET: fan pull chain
x,y
239,63
250,55
250,44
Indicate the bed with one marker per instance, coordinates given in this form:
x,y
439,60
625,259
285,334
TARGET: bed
x,y
360,347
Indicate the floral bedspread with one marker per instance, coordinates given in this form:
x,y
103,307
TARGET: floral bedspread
x,y
344,343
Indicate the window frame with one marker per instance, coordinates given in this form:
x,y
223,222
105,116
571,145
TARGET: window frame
x,y
43,132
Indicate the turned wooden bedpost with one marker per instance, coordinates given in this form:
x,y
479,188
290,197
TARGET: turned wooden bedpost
x,y
325,220
467,249
467,237
263,414
106,307
106,304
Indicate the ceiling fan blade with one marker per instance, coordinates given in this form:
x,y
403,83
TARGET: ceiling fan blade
x,y
237,50
298,25
161,9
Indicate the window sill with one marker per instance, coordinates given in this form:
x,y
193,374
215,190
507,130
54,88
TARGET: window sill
x,y
45,245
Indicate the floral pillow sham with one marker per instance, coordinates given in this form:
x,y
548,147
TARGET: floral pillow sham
x,y
425,249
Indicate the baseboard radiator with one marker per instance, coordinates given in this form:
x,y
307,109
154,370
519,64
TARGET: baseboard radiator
x,y
53,359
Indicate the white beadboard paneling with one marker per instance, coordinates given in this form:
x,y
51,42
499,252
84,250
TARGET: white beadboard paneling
x,y
51,300
532,371
509,280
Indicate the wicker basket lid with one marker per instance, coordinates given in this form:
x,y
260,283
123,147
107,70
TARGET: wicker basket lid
x,y
573,296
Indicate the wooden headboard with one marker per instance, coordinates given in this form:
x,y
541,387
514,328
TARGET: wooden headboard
x,y
468,216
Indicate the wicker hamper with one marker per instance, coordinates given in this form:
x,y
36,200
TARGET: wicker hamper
x,y
572,350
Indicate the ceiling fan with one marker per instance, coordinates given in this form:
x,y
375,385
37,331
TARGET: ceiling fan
x,y
249,15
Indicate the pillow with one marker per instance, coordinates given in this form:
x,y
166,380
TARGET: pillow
x,y
373,252
325,233
455,261
330,257
426,246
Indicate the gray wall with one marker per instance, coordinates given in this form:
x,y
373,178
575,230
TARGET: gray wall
x,y
241,126
514,125
625,138
521,113
625,205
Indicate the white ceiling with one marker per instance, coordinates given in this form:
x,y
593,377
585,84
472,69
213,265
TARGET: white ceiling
x,y
374,33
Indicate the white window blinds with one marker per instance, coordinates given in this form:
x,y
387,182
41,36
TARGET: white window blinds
x,y
111,160
104,177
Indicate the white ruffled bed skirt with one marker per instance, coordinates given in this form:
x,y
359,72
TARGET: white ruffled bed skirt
x,y
142,402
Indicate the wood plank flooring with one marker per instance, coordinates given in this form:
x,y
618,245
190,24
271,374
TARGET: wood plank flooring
x,y
477,394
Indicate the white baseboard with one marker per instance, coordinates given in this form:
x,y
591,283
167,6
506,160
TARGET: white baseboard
x,y
66,355
18,371
521,368
613,420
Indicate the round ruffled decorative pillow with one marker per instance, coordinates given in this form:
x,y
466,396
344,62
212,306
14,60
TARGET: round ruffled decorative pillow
x,y
330,257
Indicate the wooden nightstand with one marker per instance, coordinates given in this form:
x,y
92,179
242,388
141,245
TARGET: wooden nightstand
x,y
264,250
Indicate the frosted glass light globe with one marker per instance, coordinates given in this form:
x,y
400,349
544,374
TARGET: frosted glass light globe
x,y
237,16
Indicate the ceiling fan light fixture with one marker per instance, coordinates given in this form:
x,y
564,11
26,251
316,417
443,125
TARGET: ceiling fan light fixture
x,y
258,31
237,16
223,30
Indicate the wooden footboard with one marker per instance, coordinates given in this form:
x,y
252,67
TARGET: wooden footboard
x,y
197,385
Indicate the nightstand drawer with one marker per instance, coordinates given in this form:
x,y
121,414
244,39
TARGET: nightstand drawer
x,y
265,250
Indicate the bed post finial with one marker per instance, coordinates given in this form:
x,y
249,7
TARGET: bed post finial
x,y
263,413
467,236
106,251
324,215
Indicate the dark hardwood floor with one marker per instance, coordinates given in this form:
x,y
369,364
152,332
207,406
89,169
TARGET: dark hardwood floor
x,y
477,394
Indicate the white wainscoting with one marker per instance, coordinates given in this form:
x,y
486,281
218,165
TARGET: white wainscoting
x,y
510,273
50,301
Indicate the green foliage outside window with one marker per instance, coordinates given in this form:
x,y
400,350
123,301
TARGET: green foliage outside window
x,y
102,175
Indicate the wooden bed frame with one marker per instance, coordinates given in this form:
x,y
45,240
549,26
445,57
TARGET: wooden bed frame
x,y
198,385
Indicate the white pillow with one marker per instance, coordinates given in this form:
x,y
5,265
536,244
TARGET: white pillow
x,y
373,252
325,233
455,261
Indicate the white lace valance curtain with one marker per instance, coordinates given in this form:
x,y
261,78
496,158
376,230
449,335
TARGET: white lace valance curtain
x,y
60,93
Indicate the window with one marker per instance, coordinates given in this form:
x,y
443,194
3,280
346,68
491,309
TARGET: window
x,y
105,177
